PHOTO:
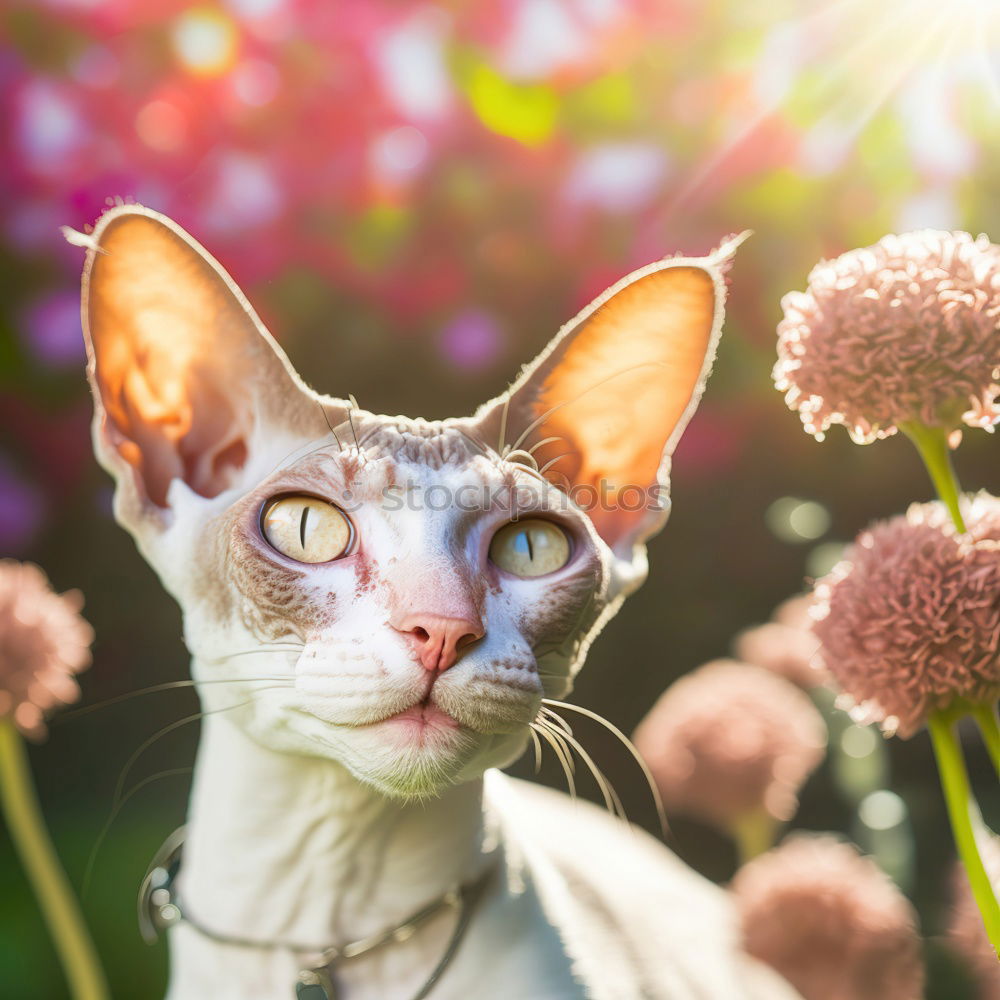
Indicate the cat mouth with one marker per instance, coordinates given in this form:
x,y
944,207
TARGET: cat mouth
x,y
425,715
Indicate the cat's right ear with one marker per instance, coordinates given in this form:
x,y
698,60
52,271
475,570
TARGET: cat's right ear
x,y
601,409
187,383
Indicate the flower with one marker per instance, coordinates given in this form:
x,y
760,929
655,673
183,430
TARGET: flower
x,y
732,740
830,921
909,620
785,645
43,642
905,330
966,933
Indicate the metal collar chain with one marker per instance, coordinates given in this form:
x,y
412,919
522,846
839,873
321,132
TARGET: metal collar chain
x,y
159,908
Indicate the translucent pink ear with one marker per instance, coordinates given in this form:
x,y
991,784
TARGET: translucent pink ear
x,y
181,368
602,408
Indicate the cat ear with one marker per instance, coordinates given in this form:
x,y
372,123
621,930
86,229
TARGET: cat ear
x,y
604,405
184,375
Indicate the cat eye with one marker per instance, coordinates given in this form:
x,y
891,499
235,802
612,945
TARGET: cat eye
x,y
306,529
530,548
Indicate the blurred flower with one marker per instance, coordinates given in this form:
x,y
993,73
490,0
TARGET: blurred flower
x,y
471,340
43,642
905,330
49,129
830,921
731,740
909,620
966,933
22,509
51,329
617,177
785,645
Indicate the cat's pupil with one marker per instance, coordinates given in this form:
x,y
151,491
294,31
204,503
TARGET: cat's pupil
x,y
522,544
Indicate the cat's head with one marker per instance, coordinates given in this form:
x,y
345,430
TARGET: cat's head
x,y
394,594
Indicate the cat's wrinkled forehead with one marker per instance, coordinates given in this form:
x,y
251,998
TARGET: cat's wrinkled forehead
x,y
407,441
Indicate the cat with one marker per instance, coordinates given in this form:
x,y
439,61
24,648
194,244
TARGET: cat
x,y
375,607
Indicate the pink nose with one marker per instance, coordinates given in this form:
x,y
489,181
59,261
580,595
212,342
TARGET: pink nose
x,y
440,640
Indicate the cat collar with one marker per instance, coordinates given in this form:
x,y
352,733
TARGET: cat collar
x,y
159,908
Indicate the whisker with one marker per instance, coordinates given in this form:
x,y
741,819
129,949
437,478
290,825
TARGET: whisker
x,y
109,822
308,444
177,724
563,736
543,442
560,738
326,417
548,465
120,798
254,652
350,416
522,457
312,451
546,735
557,720
629,745
538,749
155,689
611,799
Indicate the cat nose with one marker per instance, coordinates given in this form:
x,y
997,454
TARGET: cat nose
x,y
440,640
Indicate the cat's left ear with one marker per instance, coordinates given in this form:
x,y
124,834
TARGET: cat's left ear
x,y
603,406
188,385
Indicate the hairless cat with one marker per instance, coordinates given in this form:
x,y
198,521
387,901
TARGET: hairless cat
x,y
376,608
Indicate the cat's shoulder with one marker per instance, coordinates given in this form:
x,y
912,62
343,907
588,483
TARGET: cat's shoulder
x,y
590,847
631,909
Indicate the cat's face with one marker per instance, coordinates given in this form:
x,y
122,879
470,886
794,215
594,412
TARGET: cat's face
x,y
394,594
429,633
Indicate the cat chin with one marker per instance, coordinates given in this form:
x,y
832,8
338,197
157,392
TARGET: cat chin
x,y
427,770
395,756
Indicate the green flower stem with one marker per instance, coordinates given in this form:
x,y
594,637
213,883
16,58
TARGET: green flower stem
x,y
986,716
932,443
957,794
31,839
754,833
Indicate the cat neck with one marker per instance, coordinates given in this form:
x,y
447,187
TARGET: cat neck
x,y
295,849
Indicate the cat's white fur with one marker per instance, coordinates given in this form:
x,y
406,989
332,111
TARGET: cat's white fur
x,y
312,821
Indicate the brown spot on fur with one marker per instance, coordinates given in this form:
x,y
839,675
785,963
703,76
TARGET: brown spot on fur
x,y
350,467
272,601
366,572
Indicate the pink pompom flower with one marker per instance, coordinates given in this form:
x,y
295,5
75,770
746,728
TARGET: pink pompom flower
x,y
905,330
909,620
785,645
44,641
830,921
731,741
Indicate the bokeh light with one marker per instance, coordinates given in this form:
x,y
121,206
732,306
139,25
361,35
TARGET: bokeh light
x,y
205,41
882,810
795,520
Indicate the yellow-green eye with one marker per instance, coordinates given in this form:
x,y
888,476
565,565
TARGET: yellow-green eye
x,y
530,548
306,529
